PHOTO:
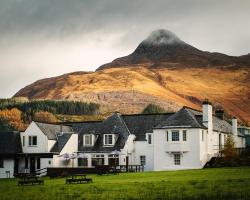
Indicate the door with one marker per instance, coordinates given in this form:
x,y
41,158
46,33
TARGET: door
x,y
32,165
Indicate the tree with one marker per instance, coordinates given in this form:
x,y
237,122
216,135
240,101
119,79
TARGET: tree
x,y
152,108
229,151
5,126
12,118
45,117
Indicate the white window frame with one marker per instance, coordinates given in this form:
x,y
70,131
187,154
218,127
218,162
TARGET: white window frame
x,y
184,135
177,159
172,134
91,139
30,140
113,140
149,140
143,160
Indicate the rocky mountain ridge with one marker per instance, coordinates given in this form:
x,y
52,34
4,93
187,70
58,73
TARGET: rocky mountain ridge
x,y
162,70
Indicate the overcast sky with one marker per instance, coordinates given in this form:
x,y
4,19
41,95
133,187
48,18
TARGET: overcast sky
x,y
44,38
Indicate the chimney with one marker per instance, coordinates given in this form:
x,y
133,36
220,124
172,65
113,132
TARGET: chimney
x,y
219,113
234,126
207,115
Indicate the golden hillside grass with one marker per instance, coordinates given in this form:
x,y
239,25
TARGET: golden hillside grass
x,y
182,86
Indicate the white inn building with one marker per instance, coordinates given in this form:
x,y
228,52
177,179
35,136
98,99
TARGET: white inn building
x,y
187,139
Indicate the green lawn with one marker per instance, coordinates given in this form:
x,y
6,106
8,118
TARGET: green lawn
x,y
221,183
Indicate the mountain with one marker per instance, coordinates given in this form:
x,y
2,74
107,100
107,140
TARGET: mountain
x,y
164,48
162,70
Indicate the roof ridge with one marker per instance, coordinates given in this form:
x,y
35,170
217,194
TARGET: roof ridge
x,y
193,117
141,114
47,123
187,107
119,116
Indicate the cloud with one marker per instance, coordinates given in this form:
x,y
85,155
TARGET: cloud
x,y
42,38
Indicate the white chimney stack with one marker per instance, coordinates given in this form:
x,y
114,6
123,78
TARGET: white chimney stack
x,y
207,115
234,126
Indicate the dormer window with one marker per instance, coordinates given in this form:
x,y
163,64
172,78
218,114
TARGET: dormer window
x,y
109,139
88,140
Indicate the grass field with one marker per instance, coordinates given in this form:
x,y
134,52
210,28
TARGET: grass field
x,y
221,183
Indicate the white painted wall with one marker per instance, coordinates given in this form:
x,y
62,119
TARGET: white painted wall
x,y
70,147
128,150
163,149
42,140
240,142
143,148
8,165
51,143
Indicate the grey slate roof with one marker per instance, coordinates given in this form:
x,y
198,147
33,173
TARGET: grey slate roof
x,y
51,130
183,118
144,123
139,125
10,143
113,124
61,141
218,124
188,117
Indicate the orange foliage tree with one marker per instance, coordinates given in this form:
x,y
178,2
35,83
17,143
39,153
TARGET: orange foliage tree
x,y
45,117
14,118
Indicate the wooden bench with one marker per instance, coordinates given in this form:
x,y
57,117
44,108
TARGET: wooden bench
x,y
78,178
30,180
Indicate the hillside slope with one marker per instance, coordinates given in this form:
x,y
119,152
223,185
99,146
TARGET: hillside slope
x,y
162,70
129,90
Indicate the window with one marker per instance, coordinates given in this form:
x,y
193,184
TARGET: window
x,y
225,139
184,135
23,141
177,159
149,139
175,135
88,140
83,162
143,160
38,163
32,140
167,136
202,135
1,163
108,139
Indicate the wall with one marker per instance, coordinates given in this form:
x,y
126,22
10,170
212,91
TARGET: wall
x,y
142,148
128,150
42,141
70,147
190,150
8,166
240,142
51,143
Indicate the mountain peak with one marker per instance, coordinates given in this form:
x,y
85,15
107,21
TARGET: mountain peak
x,y
162,48
162,37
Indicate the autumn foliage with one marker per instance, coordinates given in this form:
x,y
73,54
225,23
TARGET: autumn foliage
x,y
13,117
229,151
45,117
